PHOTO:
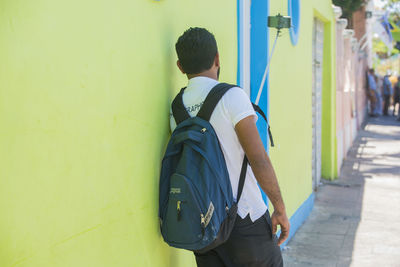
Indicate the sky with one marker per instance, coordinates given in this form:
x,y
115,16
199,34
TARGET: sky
x,y
379,3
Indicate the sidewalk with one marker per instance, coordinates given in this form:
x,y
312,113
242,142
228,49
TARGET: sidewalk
x,y
356,219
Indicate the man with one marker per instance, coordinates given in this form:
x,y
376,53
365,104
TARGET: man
x,y
387,93
376,102
253,241
371,91
396,96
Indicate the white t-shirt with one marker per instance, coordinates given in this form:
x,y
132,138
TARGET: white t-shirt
x,y
234,106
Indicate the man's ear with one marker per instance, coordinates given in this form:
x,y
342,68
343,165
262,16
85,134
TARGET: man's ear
x,y
178,63
216,60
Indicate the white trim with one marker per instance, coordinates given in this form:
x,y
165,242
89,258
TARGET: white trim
x,y
244,9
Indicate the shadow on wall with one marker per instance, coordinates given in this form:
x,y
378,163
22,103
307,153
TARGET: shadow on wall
x,y
169,69
167,77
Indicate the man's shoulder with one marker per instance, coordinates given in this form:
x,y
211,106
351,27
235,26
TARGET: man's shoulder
x,y
236,95
236,91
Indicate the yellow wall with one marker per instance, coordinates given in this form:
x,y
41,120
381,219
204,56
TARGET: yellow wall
x,y
291,100
85,88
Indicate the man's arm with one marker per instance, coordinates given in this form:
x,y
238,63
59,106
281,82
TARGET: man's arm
x,y
260,163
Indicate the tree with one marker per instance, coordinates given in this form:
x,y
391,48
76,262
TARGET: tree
x,y
393,6
382,50
349,7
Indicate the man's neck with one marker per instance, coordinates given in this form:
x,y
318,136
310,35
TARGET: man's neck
x,y
209,74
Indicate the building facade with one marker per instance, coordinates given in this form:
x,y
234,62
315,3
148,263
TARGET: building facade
x,y
85,92
352,53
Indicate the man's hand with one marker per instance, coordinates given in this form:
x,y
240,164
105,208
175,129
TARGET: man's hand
x,y
281,219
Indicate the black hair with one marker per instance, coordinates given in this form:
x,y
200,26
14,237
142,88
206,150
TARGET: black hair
x,y
196,49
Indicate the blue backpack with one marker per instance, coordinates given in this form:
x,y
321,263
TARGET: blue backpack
x,y
196,206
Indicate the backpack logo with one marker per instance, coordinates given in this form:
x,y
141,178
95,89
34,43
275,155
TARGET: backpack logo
x,y
175,190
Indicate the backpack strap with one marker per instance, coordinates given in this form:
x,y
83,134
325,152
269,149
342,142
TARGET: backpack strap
x,y
214,96
242,178
205,113
259,110
178,108
212,100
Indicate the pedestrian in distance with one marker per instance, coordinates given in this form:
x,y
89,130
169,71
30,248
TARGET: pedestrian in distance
x,y
396,97
371,88
253,240
376,100
379,87
387,93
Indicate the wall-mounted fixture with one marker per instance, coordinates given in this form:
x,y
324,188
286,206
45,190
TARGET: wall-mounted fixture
x,y
337,10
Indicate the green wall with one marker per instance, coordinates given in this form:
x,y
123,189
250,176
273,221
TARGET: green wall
x,y
291,102
85,88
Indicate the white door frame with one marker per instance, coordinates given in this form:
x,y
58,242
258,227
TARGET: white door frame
x,y
244,47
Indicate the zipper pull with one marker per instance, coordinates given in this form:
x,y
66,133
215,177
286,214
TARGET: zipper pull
x,y
203,223
178,209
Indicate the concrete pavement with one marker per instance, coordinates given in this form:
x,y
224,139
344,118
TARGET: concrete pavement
x,y
356,219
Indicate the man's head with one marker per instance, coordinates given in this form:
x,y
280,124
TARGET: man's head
x,y
372,71
197,53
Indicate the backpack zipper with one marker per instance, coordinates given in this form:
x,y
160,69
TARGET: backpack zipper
x,y
202,218
203,223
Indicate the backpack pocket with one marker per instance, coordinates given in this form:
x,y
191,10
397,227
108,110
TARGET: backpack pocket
x,y
185,219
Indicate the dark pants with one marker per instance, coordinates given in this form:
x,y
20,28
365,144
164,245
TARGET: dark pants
x,y
250,245
396,101
387,104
